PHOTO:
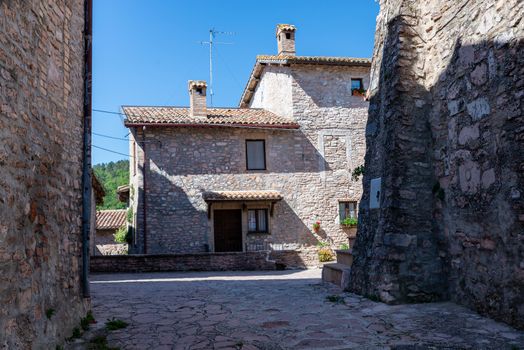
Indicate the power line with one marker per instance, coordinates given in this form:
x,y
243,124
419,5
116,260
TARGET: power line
x,y
110,137
109,150
108,112
228,68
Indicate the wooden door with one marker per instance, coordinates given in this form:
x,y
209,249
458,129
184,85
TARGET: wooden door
x,y
228,230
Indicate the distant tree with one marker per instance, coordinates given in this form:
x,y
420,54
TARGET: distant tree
x,y
111,175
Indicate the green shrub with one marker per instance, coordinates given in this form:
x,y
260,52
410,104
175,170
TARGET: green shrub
x,y
344,246
100,343
350,222
86,321
76,333
123,235
322,244
357,172
49,313
325,254
114,324
129,215
337,299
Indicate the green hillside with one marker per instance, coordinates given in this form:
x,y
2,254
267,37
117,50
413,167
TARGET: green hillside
x,y
111,175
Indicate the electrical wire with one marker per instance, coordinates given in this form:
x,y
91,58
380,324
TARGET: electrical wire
x,y
108,112
109,150
110,137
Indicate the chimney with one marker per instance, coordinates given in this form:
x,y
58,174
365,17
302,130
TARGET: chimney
x,y
286,39
197,98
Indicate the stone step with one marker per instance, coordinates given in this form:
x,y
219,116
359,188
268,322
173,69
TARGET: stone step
x,y
336,273
344,257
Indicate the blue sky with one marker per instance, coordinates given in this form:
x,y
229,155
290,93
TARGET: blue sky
x,y
144,52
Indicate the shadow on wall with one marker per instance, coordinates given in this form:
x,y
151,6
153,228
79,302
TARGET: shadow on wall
x,y
174,223
451,164
177,223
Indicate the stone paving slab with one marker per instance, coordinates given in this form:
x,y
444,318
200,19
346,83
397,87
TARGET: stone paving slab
x,y
279,310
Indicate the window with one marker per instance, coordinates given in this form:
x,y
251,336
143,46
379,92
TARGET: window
x,y
257,220
357,84
288,35
256,155
347,210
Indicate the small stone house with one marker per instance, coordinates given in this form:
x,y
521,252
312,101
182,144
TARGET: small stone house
x,y
107,223
256,176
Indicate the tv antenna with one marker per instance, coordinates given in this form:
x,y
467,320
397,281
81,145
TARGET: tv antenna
x,y
211,42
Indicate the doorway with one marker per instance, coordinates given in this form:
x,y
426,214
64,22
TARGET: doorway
x,y
227,226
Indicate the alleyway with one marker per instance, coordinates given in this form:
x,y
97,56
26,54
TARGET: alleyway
x,y
278,310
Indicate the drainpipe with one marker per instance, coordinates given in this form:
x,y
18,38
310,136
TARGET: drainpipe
x,y
86,166
144,204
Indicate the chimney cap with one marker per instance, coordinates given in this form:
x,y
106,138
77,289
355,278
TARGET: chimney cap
x,y
195,84
285,28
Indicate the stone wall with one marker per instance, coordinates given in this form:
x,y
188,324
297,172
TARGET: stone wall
x,y
445,136
234,261
104,243
41,109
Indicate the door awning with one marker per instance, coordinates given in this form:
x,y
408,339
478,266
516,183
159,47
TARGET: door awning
x,y
219,196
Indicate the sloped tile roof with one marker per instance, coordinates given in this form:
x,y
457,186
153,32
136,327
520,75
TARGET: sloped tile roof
x,y
242,195
288,59
180,116
263,60
110,219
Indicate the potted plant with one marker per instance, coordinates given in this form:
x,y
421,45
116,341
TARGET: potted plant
x,y
316,226
324,252
349,222
358,92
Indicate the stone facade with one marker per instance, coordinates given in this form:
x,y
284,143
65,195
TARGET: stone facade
x,y
445,138
41,123
310,166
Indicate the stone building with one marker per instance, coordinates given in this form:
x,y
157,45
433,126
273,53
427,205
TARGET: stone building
x,y
107,224
41,122
442,213
257,176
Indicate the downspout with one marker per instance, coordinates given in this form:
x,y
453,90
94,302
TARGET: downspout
x,y
86,166
144,204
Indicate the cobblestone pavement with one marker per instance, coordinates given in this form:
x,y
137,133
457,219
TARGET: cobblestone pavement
x,y
279,310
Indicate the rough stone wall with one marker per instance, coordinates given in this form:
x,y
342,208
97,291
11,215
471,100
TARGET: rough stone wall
x,y
41,108
445,137
233,261
310,167
104,243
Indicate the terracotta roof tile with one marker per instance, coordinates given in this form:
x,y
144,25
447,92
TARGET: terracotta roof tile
x,y
288,59
110,219
241,195
179,116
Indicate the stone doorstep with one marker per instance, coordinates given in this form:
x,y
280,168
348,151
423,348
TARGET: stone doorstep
x,y
344,257
337,273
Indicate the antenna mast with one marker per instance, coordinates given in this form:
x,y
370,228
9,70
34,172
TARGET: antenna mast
x,y
211,42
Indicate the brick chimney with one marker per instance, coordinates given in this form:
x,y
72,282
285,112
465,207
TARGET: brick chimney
x,y
286,39
197,98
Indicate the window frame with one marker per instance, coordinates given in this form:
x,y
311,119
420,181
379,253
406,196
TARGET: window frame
x,y
263,152
266,214
355,203
360,80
